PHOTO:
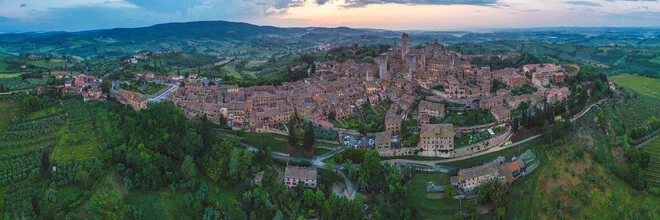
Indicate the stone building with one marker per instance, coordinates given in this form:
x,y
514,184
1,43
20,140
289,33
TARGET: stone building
x,y
437,138
304,175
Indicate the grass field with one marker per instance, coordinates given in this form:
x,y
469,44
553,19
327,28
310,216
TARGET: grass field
x,y
508,153
643,85
279,143
9,75
655,60
652,173
574,186
77,139
429,207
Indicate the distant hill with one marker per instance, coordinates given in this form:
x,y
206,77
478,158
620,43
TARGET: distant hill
x,y
220,35
223,38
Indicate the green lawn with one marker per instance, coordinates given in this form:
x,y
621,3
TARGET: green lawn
x,y
325,144
431,208
320,151
278,143
148,88
643,85
508,153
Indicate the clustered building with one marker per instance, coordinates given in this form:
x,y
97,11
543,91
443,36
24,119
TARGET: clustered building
x,y
497,170
336,89
87,86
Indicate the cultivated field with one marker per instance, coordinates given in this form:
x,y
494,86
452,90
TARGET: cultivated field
x,y
652,173
78,140
643,85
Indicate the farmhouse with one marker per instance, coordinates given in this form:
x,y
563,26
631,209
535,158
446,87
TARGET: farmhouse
x,y
303,175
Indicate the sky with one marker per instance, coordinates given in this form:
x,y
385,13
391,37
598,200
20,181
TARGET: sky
x,y
78,15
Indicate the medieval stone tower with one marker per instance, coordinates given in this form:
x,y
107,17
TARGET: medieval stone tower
x,y
405,45
411,66
382,67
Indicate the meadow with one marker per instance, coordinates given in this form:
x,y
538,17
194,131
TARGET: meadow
x,y
431,205
643,85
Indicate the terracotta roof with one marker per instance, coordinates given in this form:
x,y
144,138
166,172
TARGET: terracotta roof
x,y
441,130
424,105
296,172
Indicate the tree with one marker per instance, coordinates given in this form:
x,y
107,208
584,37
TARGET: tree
x,y
193,143
106,85
371,167
222,121
309,198
31,102
330,166
470,207
320,198
293,139
107,204
279,215
188,168
309,139
332,116
547,132
500,212
515,124
450,192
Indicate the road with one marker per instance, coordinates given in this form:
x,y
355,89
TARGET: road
x,y
491,150
316,162
164,95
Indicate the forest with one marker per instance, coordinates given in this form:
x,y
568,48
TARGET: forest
x,y
184,157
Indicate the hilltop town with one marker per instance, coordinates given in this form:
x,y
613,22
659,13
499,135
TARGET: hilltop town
x,y
327,124
338,91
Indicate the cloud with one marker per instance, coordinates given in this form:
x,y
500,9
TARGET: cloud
x,y
583,3
321,2
166,6
23,5
362,3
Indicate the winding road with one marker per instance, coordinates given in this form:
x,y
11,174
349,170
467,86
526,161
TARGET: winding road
x,y
423,165
491,150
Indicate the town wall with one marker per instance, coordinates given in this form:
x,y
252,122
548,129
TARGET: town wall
x,y
495,141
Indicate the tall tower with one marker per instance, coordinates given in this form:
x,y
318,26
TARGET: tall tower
x,y
369,76
382,67
405,45
411,66
396,45
422,61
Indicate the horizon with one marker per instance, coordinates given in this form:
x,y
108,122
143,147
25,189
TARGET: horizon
x,y
474,30
434,15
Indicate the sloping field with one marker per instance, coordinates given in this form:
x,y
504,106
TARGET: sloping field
x,y
652,174
642,85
